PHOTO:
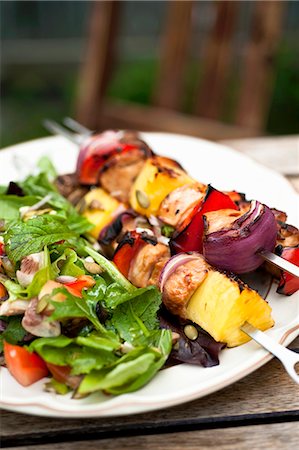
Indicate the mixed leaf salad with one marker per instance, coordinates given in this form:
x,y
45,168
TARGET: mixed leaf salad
x,y
66,311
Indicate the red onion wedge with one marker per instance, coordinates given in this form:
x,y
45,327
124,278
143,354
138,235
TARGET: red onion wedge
x,y
237,247
173,263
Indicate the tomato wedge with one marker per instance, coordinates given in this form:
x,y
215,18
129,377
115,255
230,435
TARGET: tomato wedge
x,y
190,239
75,287
25,367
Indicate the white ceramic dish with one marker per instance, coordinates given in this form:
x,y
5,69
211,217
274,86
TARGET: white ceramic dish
x,y
209,163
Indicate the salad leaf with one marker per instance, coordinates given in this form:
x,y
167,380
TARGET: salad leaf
x,y
48,272
46,166
137,317
10,205
76,307
41,186
131,371
123,373
81,358
15,290
25,238
69,267
14,332
111,269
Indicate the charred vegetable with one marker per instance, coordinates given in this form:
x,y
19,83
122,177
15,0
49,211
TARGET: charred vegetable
x,y
233,243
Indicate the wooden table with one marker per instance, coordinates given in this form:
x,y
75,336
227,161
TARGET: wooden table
x,y
259,412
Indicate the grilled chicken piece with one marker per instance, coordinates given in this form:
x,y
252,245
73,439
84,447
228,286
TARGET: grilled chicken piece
x,y
143,266
182,284
221,219
180,203
120,171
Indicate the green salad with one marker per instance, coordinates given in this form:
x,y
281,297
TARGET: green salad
x,y
66,311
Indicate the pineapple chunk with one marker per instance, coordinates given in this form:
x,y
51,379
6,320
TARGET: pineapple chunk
x,y
157,179
222,304
99,208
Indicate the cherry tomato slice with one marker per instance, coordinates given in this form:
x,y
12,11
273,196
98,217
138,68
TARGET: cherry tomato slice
x,y
25,367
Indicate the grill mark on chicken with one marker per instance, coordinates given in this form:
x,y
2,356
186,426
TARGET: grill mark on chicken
x,y
143,265
120,171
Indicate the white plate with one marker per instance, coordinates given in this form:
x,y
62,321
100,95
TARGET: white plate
x,y
209,163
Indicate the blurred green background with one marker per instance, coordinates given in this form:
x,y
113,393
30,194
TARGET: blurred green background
x,y
42,49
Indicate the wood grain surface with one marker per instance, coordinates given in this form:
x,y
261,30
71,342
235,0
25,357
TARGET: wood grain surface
x,y
275,437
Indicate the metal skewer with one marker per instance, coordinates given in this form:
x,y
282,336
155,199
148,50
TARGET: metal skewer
x,y
76,126
279,262
55,128
80,135
287,357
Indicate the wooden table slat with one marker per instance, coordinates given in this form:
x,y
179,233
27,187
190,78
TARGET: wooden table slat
x,y
282,436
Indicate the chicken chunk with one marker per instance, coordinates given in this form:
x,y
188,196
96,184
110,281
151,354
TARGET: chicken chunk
x,y
181,285
180,203
120,171
142,269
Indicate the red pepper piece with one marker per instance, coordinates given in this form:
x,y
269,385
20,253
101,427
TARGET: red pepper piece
x,y
127,250
190,239
2,249
75,287
288,284
3,293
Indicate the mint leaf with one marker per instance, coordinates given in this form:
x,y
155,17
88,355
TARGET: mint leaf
x,y
24,238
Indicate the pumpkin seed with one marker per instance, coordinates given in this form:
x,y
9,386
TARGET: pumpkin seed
x,y
42,305
142,199
191,332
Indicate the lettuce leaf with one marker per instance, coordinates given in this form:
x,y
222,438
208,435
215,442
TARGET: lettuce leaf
x,y
10,205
